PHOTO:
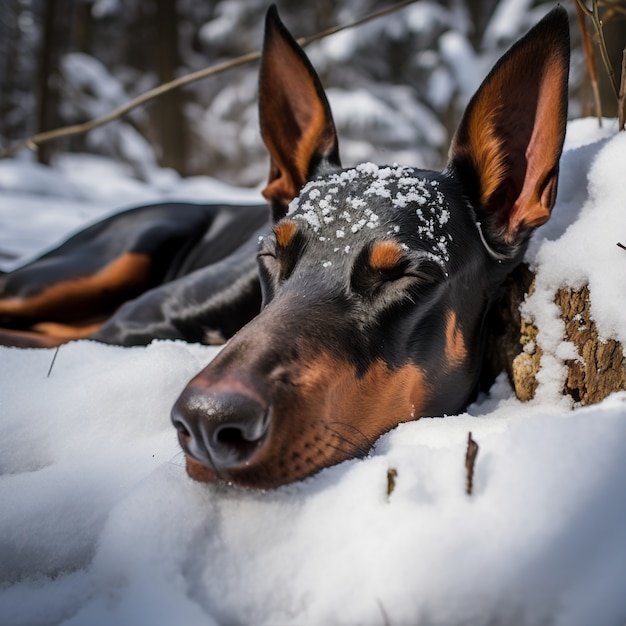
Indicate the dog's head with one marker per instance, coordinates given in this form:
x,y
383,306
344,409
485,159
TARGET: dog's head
x,y
377,279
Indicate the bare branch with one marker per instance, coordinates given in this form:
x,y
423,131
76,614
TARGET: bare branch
x,y
594,14
36,140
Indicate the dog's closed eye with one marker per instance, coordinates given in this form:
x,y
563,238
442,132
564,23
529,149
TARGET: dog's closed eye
x,y
385,266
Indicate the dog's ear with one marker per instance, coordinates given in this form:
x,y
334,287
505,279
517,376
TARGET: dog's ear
x,y
509,142
296,123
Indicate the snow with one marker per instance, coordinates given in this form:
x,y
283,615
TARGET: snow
x,y
417,195
99,523
507,19
86,72
39,206
390,114
457,52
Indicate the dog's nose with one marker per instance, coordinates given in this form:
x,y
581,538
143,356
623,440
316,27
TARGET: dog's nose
x,y
222,429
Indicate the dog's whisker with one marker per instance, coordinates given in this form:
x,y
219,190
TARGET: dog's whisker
x,y
359,448
177,460
213,465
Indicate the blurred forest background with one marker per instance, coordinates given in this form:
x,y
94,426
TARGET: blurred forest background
x,y
397,85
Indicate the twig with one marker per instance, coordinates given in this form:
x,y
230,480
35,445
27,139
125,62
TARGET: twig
x,y
470,461
590,57
621,245
594,14
392,474
54,358
384,613
76,129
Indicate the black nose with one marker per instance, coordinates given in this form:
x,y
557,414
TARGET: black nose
x,y
221,430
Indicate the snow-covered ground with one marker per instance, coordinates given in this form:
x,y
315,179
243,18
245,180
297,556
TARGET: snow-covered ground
x,y
99,523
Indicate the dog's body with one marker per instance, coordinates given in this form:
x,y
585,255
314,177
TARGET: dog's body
x,y
169,271
376,281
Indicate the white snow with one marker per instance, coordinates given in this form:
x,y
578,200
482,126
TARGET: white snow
x,y
99,523
391,113
508,18
464,64
39,206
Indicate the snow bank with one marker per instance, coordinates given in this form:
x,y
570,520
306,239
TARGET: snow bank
x,y
99,523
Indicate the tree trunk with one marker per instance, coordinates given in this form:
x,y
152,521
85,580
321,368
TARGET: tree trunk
x,y
171,122
614,30
48,74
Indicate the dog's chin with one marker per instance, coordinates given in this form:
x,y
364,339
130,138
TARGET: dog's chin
x,y
251,476
200,472
242,477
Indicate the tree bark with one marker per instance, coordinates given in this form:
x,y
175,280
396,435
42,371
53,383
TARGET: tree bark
x,y
48,76
171,122
600,368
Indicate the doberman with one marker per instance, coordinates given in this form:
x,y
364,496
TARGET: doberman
x,y
374,283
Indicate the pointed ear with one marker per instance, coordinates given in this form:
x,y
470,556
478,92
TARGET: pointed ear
x,y
296,123
508,145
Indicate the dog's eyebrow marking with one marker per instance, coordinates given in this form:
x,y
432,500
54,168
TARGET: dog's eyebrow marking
x,y
284,232
385,255
456,350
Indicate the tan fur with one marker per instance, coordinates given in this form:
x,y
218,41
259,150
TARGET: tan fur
x,y
336,414
487,152
385,255
456,350
284,232
127,273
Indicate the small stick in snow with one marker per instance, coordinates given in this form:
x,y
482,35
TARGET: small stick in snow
x,y
384,613
621,245
392,474
470,461
54,358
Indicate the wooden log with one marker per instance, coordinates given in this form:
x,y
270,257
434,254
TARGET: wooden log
x,y
600,368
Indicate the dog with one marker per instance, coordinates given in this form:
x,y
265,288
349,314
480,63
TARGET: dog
x,y
363,303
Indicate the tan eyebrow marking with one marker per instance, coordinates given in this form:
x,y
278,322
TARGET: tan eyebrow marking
x,y
386,255
284,232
